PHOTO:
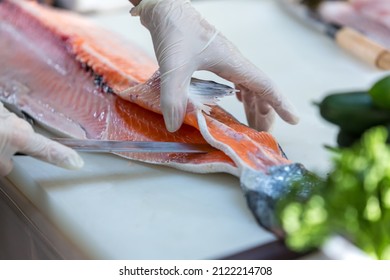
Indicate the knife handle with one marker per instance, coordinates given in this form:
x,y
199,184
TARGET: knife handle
x,y
363,47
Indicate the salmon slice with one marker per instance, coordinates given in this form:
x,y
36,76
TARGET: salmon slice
x,y
371,17
64,73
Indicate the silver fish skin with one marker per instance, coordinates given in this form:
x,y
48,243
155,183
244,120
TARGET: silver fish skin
x,y
264,192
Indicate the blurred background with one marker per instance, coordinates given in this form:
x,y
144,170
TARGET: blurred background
x,y
87,6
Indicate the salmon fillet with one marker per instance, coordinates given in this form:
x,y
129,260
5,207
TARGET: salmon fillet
x,y
64,73
371,17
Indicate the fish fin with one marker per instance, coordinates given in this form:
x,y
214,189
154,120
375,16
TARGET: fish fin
x,y
205,94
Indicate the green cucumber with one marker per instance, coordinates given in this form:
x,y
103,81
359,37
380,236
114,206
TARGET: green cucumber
x,y
353,112
380,93
347,139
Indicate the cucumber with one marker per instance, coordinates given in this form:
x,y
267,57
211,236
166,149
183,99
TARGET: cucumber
x,y
347,139
353,112
380,93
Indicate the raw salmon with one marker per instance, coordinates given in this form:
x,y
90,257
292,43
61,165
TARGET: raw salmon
x,y
78,80
371,17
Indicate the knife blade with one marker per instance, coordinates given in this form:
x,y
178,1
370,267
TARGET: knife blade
x,y
114,146
349,39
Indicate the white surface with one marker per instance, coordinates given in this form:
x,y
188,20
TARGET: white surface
x,y
114,208
119,209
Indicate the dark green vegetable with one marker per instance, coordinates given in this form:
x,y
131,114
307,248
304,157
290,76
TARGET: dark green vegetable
x,y
353,112
346,139
353,200
380,93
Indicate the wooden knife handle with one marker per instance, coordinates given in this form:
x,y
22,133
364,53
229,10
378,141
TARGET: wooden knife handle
x,y
364,48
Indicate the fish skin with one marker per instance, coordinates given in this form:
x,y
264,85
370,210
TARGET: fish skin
x,y
263,191
85,86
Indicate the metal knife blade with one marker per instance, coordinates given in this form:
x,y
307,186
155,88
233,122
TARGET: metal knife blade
x,y
113,146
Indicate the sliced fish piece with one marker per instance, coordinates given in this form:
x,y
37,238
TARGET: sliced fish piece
x,y
370,17
78,80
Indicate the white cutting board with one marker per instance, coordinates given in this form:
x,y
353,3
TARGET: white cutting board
x,y
117,209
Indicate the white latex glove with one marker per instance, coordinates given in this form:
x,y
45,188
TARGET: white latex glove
x,y
17,135
184,42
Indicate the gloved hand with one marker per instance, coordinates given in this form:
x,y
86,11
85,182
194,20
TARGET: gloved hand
x,y
17,135
184,42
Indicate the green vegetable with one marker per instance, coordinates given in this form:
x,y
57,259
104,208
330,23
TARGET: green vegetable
x,y
354,200
380,93
353,112
346,139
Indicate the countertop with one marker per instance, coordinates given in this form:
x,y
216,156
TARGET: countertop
x,y
119,209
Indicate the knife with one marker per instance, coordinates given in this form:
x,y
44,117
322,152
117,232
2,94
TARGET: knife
x,y
114,146
349,39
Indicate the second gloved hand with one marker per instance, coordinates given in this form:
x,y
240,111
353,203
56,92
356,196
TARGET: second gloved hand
x,y
184,42
17,135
